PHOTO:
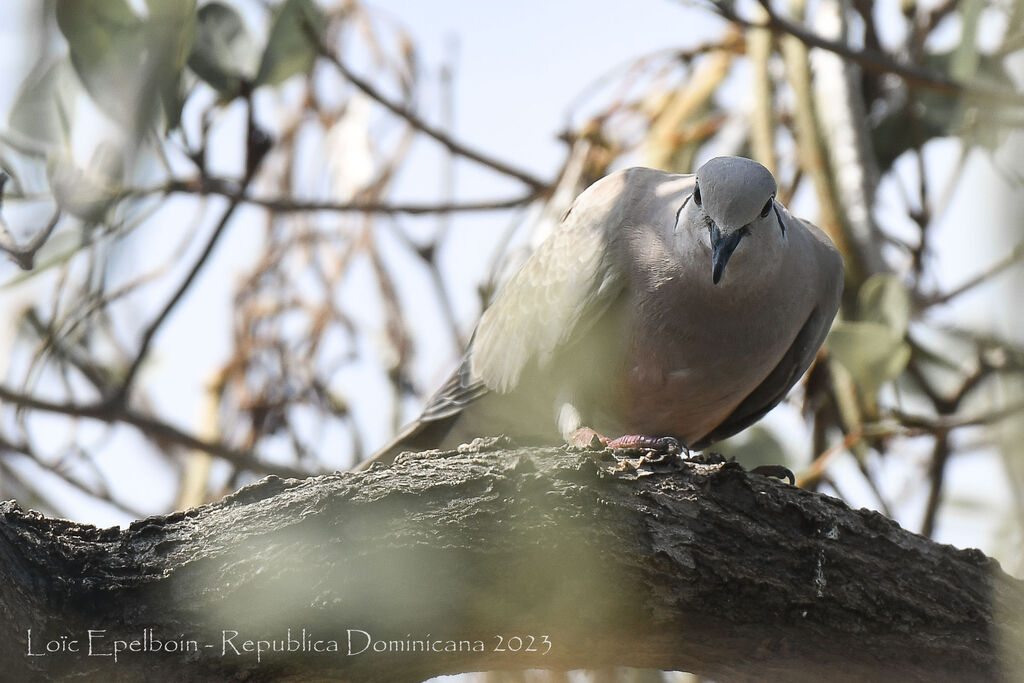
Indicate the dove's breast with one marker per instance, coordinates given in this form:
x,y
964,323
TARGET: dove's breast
x,y
699,349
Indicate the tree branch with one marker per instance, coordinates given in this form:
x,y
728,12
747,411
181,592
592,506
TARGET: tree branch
x,y
676,566
536,184
257,145
112,413
1015,254
154,326
23,255
222,186
869,59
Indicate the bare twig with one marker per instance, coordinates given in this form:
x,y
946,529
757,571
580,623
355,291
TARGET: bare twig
x,y
258,144
928,424
228,188
147,336
28,452
941,425
150,426
436,133
23,255
1015,255
869,59
286,205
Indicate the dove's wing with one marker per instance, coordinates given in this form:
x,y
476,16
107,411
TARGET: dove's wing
x,y
559,293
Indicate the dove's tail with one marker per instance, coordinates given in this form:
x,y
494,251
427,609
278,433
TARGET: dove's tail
x,y
419,435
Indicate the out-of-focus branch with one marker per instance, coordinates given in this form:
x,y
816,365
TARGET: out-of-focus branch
x,y
927,424
26,450
667,146
434,132
814,158
941,425
900,423
1015,255
869,59
257,146
228,188
23,255
147,336
110,414
937,14
762,117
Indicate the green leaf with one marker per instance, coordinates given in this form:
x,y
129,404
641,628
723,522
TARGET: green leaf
x,y
130,66
291,48
224,54
171,27
870,351
173,23
87,192
105,41
883,299
932,114
43,108
965,58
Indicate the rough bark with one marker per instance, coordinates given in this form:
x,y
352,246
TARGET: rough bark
x,y
677,566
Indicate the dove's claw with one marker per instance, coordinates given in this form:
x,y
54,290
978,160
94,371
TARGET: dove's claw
x,y
664,444
777,471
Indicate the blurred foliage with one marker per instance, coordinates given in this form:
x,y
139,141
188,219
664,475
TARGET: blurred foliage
x,y
873,346
140,117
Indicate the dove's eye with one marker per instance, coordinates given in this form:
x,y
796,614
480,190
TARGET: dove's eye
x,y
767,207
696,195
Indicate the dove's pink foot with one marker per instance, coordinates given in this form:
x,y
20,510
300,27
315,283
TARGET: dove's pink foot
x,y
585,436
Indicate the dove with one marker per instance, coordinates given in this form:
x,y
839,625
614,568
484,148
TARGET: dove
x,y
663,306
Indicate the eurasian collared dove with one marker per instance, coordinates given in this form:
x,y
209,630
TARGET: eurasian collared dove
x,y
626,320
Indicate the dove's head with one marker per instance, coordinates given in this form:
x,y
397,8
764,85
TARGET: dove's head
x,y
734,201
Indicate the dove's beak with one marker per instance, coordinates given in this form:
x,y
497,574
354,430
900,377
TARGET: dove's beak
x,y
721,249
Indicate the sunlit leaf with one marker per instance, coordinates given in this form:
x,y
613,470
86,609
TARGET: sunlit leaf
x,y
176,21
963,63
171,26
87,192
291,48
131,67
106,43
43,108
870,351
225,53
884,299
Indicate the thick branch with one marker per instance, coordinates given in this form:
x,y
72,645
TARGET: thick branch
x,y
674,566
